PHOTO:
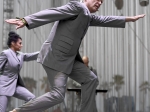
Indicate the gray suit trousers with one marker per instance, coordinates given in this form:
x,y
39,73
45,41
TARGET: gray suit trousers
x,y
20,93
58,81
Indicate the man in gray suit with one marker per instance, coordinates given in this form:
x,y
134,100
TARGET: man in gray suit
x,y
59,53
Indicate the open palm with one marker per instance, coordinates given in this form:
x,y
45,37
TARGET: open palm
x,y
16,22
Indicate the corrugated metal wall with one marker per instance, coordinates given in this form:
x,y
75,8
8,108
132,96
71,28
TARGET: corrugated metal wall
x,y
123,52
1,23
120,53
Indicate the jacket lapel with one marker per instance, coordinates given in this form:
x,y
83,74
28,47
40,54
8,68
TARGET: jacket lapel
x,y
89,18
19,56
14,55
88,12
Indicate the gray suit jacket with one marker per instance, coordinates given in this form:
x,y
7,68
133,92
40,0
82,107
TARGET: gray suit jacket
x,y
10,66
71,23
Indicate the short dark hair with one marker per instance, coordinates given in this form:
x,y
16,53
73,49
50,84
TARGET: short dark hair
x,y
12,37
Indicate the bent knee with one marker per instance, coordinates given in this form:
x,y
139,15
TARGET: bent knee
x,y
58,95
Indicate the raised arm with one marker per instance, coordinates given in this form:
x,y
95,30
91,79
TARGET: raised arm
x,y
30,56
46,16
108,21
113,21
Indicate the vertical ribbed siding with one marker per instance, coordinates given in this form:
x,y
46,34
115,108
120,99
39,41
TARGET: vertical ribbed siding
x,y
122,51
1,24
111,51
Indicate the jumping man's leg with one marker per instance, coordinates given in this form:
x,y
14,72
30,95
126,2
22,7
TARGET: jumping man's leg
x,y
55,96
89,82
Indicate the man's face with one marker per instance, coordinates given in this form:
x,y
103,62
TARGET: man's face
x,y
93,5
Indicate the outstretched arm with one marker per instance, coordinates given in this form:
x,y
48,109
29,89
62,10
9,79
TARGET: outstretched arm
x,y
30,56
46,16
113,21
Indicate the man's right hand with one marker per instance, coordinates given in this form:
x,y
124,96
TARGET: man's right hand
x,y
17,22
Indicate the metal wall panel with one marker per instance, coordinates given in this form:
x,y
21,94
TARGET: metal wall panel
x,y
111,51
1,23
123,52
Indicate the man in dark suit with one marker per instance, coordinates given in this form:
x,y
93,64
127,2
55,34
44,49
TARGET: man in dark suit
x,y
86,62
59,53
